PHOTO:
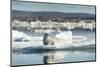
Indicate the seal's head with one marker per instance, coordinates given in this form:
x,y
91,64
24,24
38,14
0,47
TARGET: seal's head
x,y
46,34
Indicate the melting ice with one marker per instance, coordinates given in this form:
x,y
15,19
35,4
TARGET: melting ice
x,y
36,41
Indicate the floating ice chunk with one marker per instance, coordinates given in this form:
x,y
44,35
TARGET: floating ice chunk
x,y
67,36
17,34
60,39
20,36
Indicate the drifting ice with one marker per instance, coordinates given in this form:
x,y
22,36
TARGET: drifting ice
x,y
67,36
69,40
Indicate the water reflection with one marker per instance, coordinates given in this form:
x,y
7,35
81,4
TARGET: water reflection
x,y
53,57
48,57
60,56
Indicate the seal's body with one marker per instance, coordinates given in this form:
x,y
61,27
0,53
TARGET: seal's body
x,y
51,40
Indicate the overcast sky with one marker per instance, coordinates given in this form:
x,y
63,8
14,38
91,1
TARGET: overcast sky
x,y
32,6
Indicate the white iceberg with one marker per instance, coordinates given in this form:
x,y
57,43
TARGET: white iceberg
x,y
20,36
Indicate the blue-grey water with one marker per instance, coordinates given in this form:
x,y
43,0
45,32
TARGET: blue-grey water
x,y
82,54
57,57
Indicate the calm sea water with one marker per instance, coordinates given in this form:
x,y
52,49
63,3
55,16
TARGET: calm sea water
x,y
56,56
52,57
